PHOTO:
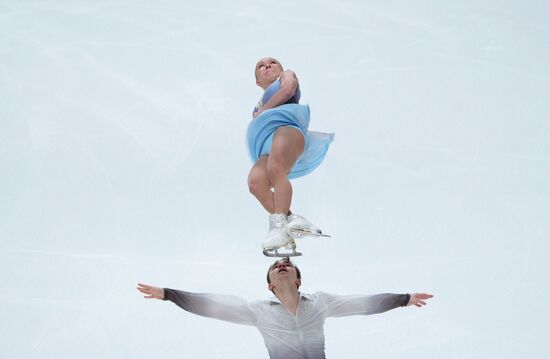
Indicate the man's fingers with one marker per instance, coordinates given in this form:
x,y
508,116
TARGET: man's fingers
x,y
149,291
419,303
420,296
417,299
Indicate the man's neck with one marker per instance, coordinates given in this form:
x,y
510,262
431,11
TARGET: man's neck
x,y
289,297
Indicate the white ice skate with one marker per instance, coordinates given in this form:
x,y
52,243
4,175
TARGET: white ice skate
x,y
299,227
279,238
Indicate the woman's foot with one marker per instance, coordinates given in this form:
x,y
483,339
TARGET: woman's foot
x,y
278,236
298,226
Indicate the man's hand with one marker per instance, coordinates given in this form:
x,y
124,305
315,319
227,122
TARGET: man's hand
x,y
418,299
150,291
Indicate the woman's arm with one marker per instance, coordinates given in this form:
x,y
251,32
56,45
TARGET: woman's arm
x,y
289,84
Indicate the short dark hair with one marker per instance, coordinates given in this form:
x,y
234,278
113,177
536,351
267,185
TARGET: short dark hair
x,y
285,259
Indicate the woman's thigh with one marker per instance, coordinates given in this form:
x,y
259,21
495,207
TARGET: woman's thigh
x,y
287,147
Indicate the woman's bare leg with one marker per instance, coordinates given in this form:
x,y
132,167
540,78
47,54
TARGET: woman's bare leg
x,y
288,144
259,185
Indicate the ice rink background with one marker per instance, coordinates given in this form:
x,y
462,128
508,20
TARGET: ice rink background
x,y
122,159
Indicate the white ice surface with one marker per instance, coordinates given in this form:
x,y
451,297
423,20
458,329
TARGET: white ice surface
x,y
122,159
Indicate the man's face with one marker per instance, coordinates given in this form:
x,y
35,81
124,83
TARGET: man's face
x,y
267,70
281,272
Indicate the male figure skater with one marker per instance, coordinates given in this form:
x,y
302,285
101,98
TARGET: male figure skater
x,y
291,322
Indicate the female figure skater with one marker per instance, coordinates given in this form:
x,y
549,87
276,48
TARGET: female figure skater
x,y
281,148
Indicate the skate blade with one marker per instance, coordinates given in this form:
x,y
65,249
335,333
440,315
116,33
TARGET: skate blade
x,y
300,233
282,254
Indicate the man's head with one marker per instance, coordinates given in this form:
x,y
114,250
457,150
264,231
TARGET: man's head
x,y
267,70
283,272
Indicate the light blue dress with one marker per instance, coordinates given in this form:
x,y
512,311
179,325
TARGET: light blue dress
x,y
262,128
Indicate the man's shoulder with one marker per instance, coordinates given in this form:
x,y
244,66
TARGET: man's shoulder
x,y
318,293
311,296
266,301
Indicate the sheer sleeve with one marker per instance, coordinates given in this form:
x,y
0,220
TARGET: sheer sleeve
x,y
224,307
345,305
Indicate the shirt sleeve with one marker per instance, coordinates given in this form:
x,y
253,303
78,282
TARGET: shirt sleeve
x,y
218,306
345,305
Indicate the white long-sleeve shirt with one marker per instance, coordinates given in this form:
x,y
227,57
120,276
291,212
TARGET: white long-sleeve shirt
x,y
287,336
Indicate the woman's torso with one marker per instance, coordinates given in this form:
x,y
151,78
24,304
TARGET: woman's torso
x,y
271,90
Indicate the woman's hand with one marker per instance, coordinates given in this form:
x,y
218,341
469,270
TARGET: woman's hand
x,y
257,113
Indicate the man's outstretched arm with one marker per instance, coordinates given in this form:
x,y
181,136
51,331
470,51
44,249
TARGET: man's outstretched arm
x,y
217,306
344,305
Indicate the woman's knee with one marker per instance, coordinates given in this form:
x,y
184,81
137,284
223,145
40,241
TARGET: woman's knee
x,y
257,183
277,169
